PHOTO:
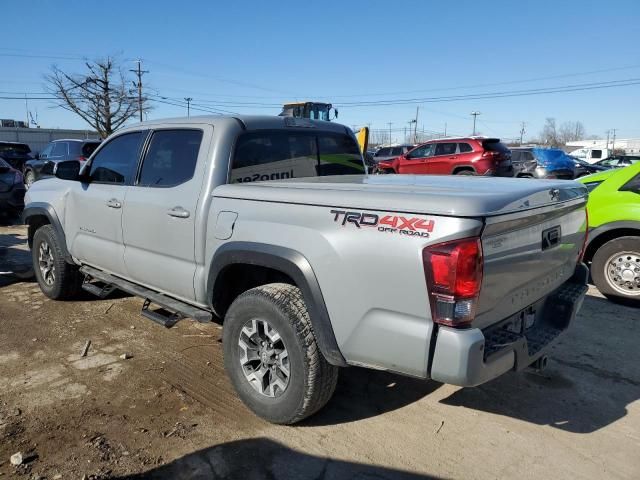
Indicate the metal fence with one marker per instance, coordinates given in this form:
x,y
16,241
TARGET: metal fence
x,y
38,138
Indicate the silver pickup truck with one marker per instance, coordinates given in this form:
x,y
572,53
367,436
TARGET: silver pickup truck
x,y
270,225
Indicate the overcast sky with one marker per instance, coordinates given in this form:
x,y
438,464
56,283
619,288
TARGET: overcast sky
x,y
227,54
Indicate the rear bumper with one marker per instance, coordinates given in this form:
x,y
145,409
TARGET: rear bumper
x,y
472,356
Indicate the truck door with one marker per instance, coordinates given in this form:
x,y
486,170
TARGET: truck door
x,y
93,217
159,218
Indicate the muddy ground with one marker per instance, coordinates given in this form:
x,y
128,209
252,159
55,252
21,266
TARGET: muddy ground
x,y
169,412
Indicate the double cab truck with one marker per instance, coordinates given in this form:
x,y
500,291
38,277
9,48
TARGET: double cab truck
x,y
270,226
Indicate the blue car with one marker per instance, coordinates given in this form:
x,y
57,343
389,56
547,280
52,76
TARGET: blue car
x,y
537,162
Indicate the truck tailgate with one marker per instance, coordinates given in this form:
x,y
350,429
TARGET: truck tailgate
x,y
527,255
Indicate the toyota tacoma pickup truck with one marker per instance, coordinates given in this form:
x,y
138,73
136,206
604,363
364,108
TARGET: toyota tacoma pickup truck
x,y
270,226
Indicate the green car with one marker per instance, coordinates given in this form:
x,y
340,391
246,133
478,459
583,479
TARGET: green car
x,y
613,245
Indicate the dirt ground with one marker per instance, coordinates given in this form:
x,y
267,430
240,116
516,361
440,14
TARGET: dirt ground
x,y
169,411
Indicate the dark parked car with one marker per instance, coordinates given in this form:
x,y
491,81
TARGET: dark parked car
x,y
11,189
57,151
618,161
537,162
582,167
387,153
15,154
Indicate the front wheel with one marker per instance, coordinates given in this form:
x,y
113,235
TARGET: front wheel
x,y
58,279
271,355
615,269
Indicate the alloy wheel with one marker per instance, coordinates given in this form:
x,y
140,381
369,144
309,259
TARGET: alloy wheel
x,y
264,358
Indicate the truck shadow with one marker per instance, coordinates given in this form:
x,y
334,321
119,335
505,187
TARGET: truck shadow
x,y
261,458
591,378
15,261
363,393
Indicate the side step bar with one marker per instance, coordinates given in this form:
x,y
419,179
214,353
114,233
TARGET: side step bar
x,y
171,312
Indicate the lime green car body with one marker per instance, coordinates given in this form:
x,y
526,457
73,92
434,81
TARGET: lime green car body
x,y
608,201
614,220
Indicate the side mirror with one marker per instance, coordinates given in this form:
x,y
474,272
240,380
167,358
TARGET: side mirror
x,y
67,170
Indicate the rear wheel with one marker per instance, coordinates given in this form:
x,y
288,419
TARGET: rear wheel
x,y
271,355
464,172
58,279
615,269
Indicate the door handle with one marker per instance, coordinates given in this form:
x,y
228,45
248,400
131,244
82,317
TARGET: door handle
x,y
178,212
114,203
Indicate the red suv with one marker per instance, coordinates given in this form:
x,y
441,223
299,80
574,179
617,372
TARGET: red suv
x,y
449,156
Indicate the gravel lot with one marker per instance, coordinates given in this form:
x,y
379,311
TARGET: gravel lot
x,y
169,411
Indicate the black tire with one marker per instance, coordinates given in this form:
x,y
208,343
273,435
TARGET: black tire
x,y
600,268
312,380
465,172
29,178
66,281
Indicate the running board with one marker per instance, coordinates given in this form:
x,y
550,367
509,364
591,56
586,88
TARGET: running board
x,y
174,310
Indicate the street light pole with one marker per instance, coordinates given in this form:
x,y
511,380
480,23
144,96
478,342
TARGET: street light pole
x,y
474,114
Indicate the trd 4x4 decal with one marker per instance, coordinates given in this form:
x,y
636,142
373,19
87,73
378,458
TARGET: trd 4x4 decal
x,y
412,226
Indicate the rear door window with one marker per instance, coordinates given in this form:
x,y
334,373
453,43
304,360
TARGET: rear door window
x,y
275,155
596,153
171,158
60,150
446,148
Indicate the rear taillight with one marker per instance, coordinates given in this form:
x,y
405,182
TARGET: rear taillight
x,y
490,153
586,235
82,159
454,275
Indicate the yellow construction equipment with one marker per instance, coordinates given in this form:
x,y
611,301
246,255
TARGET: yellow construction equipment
x,y
321,111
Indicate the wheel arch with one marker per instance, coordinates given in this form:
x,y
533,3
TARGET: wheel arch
x,y
37,214
239,266
610,231
463,168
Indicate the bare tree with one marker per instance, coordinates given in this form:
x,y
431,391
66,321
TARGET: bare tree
x,y
99,95
549,133
571,131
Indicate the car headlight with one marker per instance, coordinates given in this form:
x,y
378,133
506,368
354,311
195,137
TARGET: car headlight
x,y
591,185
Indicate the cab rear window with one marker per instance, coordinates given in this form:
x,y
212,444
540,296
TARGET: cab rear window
x,y
276,155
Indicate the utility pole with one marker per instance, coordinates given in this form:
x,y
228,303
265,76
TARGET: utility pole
x,y
522,132
26,106
613,146
389,123
608,132
188,100
474,114
139,72
415,130
445,129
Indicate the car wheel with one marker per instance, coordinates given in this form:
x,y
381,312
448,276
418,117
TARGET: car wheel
x,y
464,172
271,355
615,269
58,279
29,178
